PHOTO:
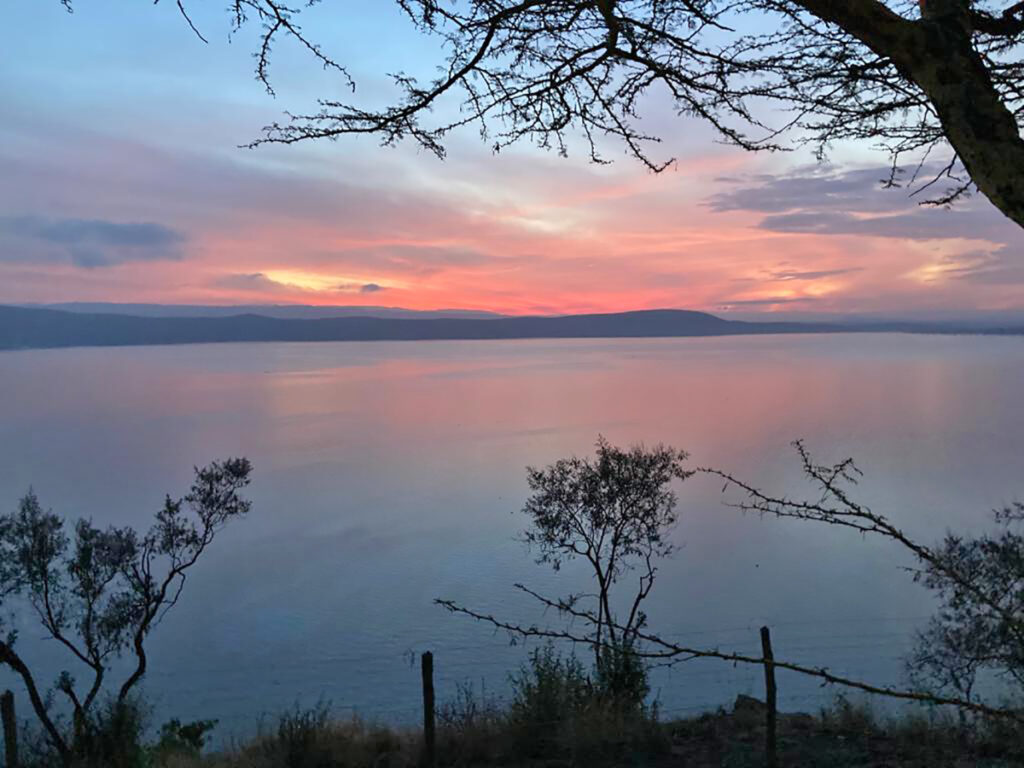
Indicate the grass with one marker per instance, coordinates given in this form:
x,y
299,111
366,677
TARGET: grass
x,y
472,732
560,718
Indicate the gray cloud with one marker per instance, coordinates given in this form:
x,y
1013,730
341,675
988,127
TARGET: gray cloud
x,y
827,202
1004,266
258,282
921,224
359,287
767,302
87,243
820,189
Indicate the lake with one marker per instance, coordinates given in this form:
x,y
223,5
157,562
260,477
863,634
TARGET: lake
x,y
388,474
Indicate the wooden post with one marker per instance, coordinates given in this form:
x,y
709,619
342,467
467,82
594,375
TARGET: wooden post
x,y
10,729
771,756
427,668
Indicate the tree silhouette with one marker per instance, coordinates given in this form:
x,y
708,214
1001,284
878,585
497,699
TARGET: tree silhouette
x,y
912,77
978,579
980,623
614,512
100,593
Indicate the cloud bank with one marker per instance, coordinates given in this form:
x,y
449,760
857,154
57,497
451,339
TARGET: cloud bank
x,y
86,243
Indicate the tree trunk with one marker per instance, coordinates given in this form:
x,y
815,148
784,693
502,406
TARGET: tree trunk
x,y
12,660
10,726
974,118
937,54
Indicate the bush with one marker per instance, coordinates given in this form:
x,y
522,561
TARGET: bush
x,y
549,688
185,740
298,741
472,728
621,678
112,736
311,739
849,718
557,710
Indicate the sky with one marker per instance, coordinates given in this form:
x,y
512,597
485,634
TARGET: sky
x,y
121,179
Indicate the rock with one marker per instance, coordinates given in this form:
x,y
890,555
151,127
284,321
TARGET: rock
x,y
748,705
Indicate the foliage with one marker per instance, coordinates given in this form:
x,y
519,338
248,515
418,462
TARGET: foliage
x,y
980,623
113,737
844,734
978,579
100,592
557,708
177,738
472,728
297,742
116,738
621,678
548,690
614,512
310,738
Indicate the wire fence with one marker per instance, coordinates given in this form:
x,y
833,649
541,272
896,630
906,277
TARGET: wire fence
x,y
382,684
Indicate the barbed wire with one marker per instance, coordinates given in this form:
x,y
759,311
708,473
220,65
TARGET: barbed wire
x,y
862,652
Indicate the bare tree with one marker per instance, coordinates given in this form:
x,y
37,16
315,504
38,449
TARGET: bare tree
x,y
614,511
911,77
979,581
100,593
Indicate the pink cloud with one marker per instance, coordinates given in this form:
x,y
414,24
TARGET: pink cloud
x,y
515,233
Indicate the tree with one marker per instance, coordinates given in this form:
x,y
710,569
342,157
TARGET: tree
x,y
980,623
911,77
615,512
100,593
979,581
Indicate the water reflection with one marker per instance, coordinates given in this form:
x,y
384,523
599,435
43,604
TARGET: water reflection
x,y
388,474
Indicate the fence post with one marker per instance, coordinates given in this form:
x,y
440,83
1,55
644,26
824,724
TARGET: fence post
x,y
10,729
771,758
427,668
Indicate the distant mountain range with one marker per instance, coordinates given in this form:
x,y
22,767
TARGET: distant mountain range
x,y
26,328
283,311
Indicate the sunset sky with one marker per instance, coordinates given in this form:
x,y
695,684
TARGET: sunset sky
x,y
121,180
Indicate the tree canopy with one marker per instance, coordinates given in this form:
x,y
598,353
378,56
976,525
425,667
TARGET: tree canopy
x,y
615,512
928,79
100,592
978,580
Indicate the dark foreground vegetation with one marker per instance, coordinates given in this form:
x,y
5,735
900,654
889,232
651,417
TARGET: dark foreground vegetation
x,y
101,593
553,725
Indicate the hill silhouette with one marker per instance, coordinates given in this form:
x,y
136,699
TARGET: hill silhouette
x,y
22,328
283,311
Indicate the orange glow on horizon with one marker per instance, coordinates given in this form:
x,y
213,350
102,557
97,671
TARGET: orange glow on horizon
x,y
525,237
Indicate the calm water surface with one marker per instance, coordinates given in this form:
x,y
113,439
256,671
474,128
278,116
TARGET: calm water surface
x,y
388,474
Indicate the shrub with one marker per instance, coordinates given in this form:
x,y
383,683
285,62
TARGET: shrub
x,y
621,678
298,741
557,710
186,739
112,736
549,688
472,728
